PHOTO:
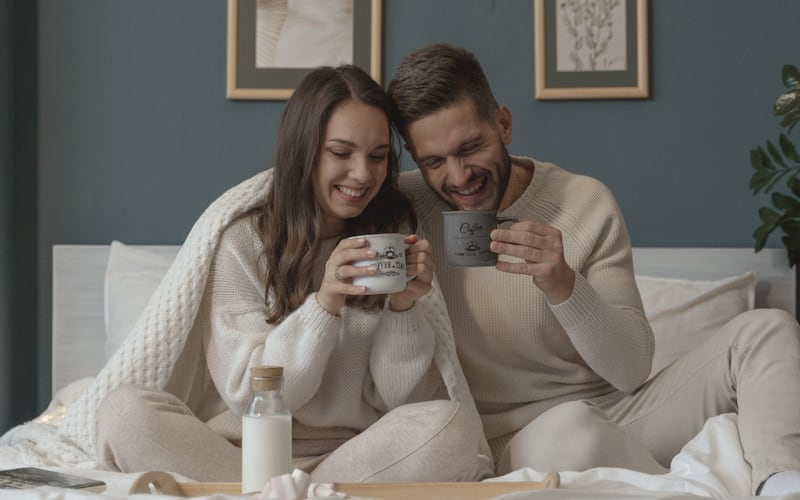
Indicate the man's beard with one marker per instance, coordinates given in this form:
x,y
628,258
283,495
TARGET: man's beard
x,y
503,175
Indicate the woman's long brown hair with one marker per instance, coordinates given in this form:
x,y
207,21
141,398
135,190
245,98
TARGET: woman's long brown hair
x,y
290,222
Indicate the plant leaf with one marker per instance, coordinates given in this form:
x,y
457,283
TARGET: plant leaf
x,y
788,149
791,119
786,102
777,176
775,154
794,185
760,179
761,234
757,159
791,227
769,216
791,242
793,254
760,160
783,202
792,245
790,76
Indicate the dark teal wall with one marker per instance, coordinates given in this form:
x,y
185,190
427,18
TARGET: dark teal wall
x,y
136,136
5,211
18,216
678,162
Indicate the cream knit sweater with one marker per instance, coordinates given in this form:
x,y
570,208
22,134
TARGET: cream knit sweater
x,y
520,354
339,371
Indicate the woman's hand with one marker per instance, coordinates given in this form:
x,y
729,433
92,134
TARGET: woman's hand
x,y
419,263
337,282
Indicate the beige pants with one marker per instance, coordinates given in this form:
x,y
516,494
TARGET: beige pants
x,y
751,366
141,429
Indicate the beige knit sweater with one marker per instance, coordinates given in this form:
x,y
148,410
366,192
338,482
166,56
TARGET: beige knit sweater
x,y
339,371
522,355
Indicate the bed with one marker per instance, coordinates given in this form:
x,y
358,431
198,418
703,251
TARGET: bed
x,y
99,290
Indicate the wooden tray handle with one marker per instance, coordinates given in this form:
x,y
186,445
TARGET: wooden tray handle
x,y
155,482
162,483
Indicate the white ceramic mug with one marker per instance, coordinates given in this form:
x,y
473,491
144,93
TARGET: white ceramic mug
x,y
466,237
390,261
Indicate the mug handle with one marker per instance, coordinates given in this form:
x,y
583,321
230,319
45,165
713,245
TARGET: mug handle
x,y
409,277
502,220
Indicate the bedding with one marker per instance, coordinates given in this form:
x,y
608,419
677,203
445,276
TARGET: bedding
x,y
682,312
132,275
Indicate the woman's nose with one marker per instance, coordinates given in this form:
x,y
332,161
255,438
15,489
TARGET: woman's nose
x,y
360,169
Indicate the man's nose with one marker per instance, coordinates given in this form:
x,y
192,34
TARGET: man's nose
x,y
457,173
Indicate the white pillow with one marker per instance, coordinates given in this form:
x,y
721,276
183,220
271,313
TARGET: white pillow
x,y
684,313
132,275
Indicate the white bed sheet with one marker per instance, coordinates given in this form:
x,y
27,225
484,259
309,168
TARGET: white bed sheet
x,y
711,465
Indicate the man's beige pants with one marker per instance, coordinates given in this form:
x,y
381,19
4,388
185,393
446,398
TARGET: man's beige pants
x,y
751,366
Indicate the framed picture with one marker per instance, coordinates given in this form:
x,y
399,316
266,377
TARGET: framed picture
x,y
273,44
591,49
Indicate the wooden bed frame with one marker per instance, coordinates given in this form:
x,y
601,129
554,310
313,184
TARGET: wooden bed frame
x,y
78,329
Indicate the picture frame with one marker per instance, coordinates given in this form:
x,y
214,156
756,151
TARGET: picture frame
x,y
271,69
604,66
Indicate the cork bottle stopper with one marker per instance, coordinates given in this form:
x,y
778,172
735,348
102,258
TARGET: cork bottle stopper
x,y
266,378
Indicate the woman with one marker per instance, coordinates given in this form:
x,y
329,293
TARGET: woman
x,y
362,373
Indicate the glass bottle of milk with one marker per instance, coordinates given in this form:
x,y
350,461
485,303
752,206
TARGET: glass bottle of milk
x,y
266,430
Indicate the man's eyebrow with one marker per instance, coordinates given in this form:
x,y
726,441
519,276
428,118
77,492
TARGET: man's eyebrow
x,y
471,142
421,159
466,144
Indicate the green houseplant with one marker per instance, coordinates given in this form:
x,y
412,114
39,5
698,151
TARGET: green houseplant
x,y
776,163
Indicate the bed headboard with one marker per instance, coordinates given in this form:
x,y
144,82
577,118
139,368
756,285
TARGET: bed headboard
x,y
78,329
776,280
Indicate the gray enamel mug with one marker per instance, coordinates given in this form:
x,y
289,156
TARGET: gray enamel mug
x,y
466,236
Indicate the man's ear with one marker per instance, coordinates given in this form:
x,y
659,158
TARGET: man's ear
x,y
504,123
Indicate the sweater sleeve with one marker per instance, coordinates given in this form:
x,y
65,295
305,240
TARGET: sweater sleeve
x,y
401,358
603,317
615,341
237,335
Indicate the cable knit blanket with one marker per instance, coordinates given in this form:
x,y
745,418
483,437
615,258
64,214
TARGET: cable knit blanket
x,y
149,352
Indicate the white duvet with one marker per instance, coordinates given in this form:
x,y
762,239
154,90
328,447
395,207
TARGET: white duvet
x,y
711,465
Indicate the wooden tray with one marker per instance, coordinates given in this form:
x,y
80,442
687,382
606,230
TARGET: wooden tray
x,y
165,484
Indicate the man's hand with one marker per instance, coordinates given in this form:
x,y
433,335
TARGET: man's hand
x,y
542,249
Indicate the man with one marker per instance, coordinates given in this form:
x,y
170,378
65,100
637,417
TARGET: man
x,y
553,338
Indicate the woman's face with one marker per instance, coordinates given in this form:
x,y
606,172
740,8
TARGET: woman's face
x,y
352,162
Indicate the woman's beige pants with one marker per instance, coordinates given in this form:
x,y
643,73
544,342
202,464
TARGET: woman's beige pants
x,y
142,430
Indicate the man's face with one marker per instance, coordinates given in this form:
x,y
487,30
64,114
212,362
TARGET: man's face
x,y
463,159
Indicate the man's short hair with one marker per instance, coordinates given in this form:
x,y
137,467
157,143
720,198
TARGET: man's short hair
x,y
435,77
